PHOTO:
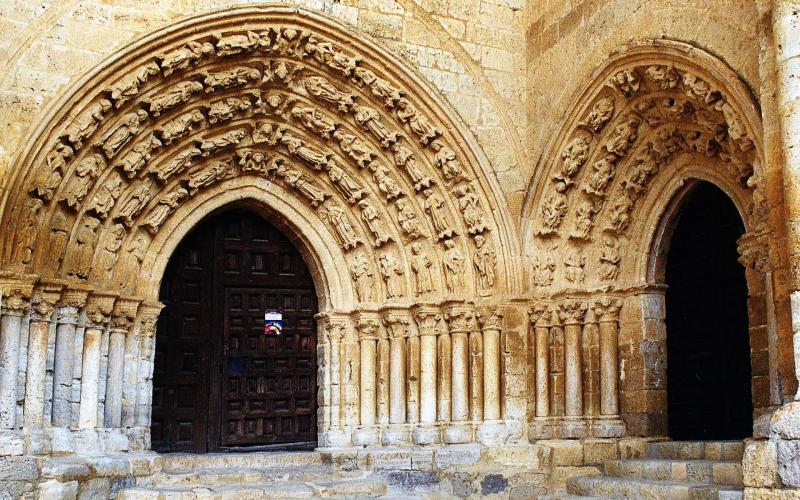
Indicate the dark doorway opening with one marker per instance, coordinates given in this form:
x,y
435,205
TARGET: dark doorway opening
x,y
708,346
219,381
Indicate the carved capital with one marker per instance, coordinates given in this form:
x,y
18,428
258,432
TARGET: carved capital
x,y
148,317
754,252
396,323
368,325
124,313
334,327
15,293
607,309
428,318
99,308
460,318
45,297
573,312
74,296
540,315
490,319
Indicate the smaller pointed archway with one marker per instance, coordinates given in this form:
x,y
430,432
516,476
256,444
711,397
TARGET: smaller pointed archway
x,y
708,348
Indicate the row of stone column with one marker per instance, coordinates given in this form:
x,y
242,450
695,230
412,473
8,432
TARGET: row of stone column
x,y
423,375
573,353
73,361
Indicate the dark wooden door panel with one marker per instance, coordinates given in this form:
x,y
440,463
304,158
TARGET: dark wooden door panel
x,y
219,380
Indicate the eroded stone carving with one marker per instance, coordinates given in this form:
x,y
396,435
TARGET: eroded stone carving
x,y
407,219
370,119
122,133
573,157
627,81
135,203
351,190
185,123
380,88
446,160
453,262
362,275
407,113
601,175
229,139
180,162
106,257
554,209
422,268
321,88
584,220
405,158
354,147
233,77
83,126
385,183
543,269
214,172
79,262
469,203
392,274
129,87
609,259
303,185
28,231
136,159
341,225
602,112
375,224
574,264
225,109
314,120
106,196
485,262
434,206
174,96
166,205
184,57
85,174
325,53
234,44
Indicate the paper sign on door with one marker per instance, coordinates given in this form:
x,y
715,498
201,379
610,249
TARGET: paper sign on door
x,y
273,323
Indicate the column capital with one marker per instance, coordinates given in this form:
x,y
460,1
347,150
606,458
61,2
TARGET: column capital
x,y
368,324
148,317
99,307
15,292
74,295
573,312
753,251
607,309
334,326
428,318
540,315
124,313
46,294
490,318
460,317
396,322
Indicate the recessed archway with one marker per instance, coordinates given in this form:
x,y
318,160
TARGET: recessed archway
x,y
221,381
708,348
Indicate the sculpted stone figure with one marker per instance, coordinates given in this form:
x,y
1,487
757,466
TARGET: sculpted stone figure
x,y
242,43
136,159
321,88
354,147
370,119
105,197
266,133
129,87
107,254
386,185
234,77
543,269
601,113
407,113
181,126
434,206
131,265
470,207
341,225
664,75
304,186
392,275
49,179
422,267
174,96
485,262
85,174
573,157
349,188
314,120
28,230
215,171
124,130
380,88
58,157
374,223
624,135
453,268
620,215
554,208
636,183
609,259
313,156
166,205
184,57
404,158
85,241
325,53
60,227
407,219
86,124
135,203
222,141
601,175
178,163
584,220
446,160
253,160
574,264
627,81
226,109
361,272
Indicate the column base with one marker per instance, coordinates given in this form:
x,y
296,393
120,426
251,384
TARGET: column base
x,y
426,434
397,435
492,432
367,436
457,432
608,427
335,438
542,428
575,428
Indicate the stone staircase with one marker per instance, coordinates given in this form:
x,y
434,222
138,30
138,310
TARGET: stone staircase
x,y
691,470
253,476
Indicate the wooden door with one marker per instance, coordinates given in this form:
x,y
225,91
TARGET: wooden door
x,y
251,389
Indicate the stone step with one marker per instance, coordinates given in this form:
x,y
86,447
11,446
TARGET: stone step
x,y
616,487
188,462
697,471
566,496
224,477
696,450
356,488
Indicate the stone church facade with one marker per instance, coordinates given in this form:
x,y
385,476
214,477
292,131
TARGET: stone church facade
x,y
477,199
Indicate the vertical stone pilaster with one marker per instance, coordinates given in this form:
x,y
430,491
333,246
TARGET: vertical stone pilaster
x,y
492,430
475,374
15,302
607,312
428,318
540,316
368,326
73,299
45,297
122,319
444,372
461,320
412,375
397,323
335,328
572,315
98,311
351,377
148,320
383,377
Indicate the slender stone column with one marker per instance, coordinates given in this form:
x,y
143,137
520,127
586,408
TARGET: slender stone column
x,y
335,330
148,321
572,314
45,296
413,376
607,312
351,377
67,315
461,321
491,325
98,311
383,362
475,374
122,319
427,323
444,371
368,325
397,324
15,303
540,317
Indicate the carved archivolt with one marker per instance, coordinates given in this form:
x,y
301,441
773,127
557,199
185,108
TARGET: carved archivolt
x,y
656,114
275,95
